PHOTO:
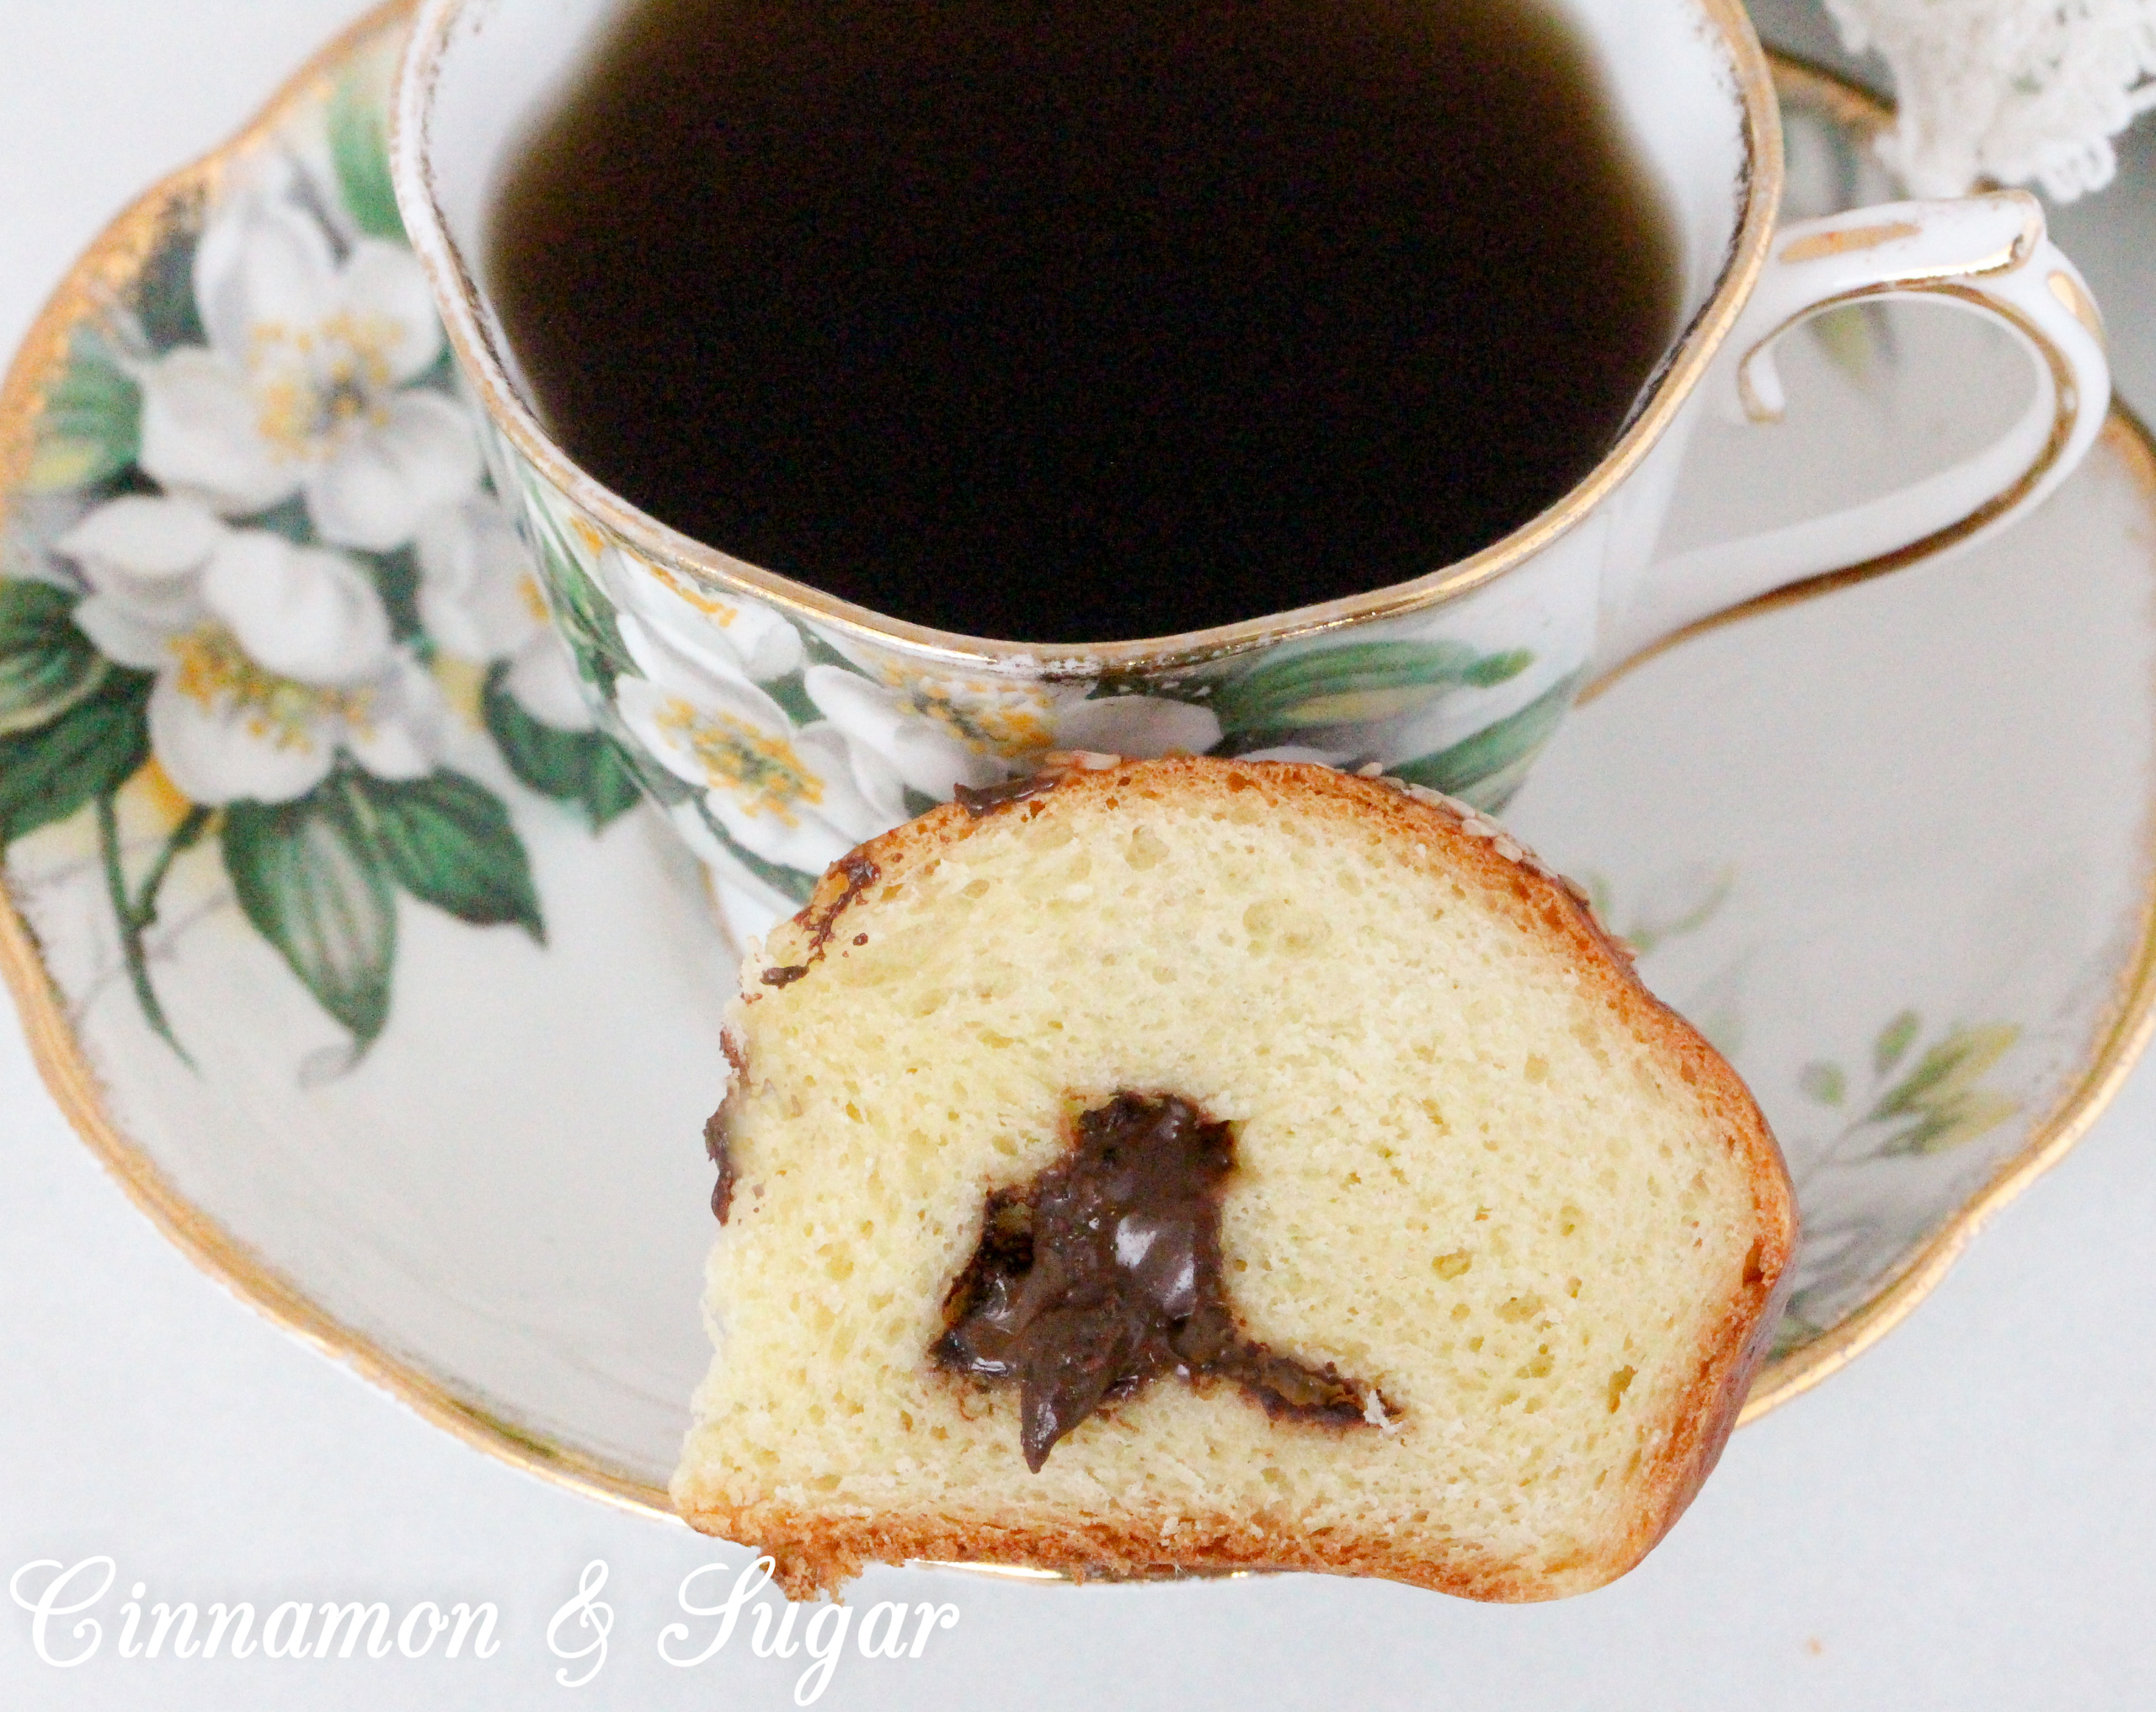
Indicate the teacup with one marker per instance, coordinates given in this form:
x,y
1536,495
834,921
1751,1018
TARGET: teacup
x,y
778,726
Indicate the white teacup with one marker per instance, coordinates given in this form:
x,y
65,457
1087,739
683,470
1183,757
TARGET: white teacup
x,y
778,725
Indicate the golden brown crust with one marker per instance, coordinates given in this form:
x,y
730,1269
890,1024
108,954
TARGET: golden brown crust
x,y
814,1551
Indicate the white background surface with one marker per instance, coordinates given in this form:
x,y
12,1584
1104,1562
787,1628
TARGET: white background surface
x,y
1962,1518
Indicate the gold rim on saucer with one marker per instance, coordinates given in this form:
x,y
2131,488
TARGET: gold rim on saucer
x,y
97,279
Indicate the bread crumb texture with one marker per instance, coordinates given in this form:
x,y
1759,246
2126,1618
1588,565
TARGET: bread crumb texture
x,y
1476,1167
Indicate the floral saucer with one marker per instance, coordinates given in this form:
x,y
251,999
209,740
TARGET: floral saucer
x,y
338,933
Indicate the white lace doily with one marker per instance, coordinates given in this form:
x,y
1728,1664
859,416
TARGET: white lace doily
x,y
2015,90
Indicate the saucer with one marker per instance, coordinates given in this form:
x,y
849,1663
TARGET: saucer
x,y
343,945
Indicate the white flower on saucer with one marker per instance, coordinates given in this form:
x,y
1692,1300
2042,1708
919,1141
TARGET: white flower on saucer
x,y
302,388
783,792
480,600
270,660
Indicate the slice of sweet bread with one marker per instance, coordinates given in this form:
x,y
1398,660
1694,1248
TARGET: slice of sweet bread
x,y
1204,1165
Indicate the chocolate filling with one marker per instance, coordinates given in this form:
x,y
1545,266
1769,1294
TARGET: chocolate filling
x,y
991,797
720,1123
861,873
722,1193
1104,1274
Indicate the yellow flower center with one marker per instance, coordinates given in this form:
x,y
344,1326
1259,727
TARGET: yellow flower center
x,y
989,718
213,671
315,387
535,602
763,773
725,612
594,542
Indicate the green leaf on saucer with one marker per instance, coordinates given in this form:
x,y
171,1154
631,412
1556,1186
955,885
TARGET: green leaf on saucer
x,y
288,518
1894,1040
1359,681
46,664
610,790
312,883
583,768
164,292
1954,1124
1485,769
90,429
1823,1082
359,150
447,840
96,746
396,575
1948,1070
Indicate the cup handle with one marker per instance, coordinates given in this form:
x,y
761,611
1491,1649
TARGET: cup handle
x,y
1987,254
